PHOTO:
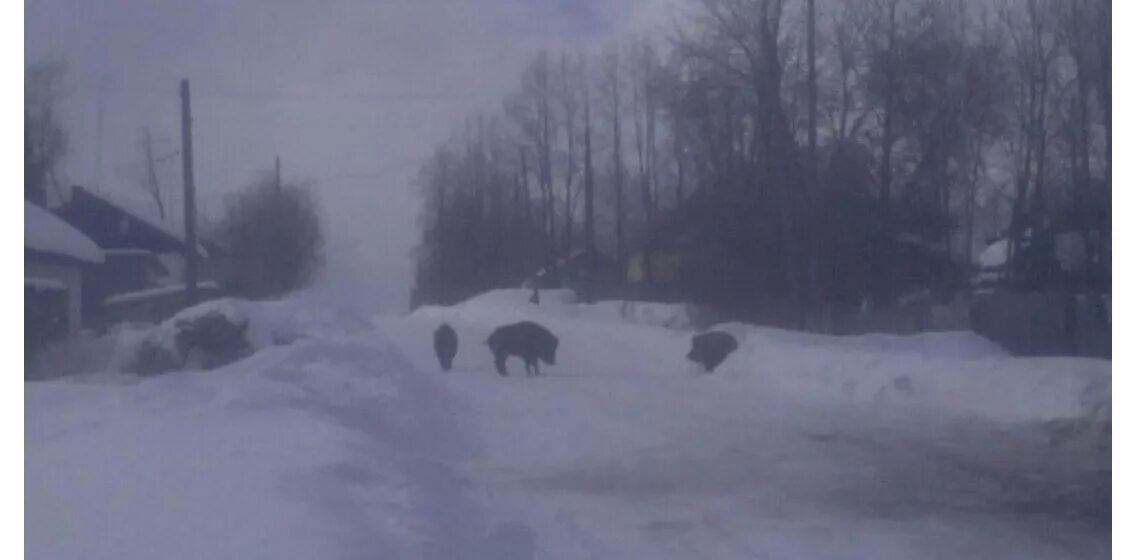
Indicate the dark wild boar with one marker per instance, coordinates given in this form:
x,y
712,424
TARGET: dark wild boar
x,y
445,346
526,340
710,349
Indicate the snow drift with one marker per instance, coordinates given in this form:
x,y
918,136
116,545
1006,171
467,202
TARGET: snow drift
x,y
958,372
269,323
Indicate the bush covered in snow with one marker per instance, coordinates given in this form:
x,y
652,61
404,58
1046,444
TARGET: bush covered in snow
x,y
205,336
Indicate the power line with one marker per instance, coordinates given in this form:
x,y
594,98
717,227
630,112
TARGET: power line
x,y
252,95
319,181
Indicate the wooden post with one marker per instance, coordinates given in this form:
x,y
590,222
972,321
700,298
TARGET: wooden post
x,y
190,198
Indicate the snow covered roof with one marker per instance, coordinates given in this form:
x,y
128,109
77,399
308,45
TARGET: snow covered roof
x,y
140,210
994,255
1069,248
47,233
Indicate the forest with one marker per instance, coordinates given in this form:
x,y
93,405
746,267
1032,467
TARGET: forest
x,y
818,153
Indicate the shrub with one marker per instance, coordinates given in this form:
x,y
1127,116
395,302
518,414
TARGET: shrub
x,y
272,238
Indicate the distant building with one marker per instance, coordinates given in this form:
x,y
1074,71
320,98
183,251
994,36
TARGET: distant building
x,y
1070,257
574,272
669,248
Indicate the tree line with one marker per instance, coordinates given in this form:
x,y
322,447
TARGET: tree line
x,y
810,149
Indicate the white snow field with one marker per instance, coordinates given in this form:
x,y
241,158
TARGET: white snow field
x,y
351,443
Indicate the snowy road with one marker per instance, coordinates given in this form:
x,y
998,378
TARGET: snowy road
x,y
352,444
616,454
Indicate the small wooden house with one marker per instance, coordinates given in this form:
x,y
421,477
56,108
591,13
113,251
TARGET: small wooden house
x,y
58,259
145,255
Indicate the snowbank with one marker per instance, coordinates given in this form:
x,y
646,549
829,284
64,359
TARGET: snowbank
x,y
344,445
994,255
88,352
47,233
130,297
270,323
798,446
1069,248
947,344
958,373
326,449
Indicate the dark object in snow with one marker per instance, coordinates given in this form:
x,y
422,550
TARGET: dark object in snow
x,y
153,358
445,345
203,341
526,340
535,297
711,349
213,338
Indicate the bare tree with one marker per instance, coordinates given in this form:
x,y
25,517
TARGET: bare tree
x,y
589,179
568,96
45,141
615,101
151,185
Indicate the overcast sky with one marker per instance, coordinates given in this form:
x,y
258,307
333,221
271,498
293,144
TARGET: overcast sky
x,y
350,94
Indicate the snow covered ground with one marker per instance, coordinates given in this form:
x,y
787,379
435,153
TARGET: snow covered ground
x,y
351,443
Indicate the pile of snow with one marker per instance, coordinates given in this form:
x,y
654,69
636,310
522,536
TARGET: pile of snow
x,y
163,291
995,387
216,330
269,323
325,449
350,443
47,233
89,352
995,254
946,344
1069,248
955,372
798,446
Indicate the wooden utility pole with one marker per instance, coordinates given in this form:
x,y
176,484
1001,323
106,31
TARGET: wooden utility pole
x,y
279,185
190,198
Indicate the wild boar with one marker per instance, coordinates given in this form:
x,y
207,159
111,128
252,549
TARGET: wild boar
x,y
445,345
526,340
711,349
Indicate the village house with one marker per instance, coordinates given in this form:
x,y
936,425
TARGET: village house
x,y
58,260
143,275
